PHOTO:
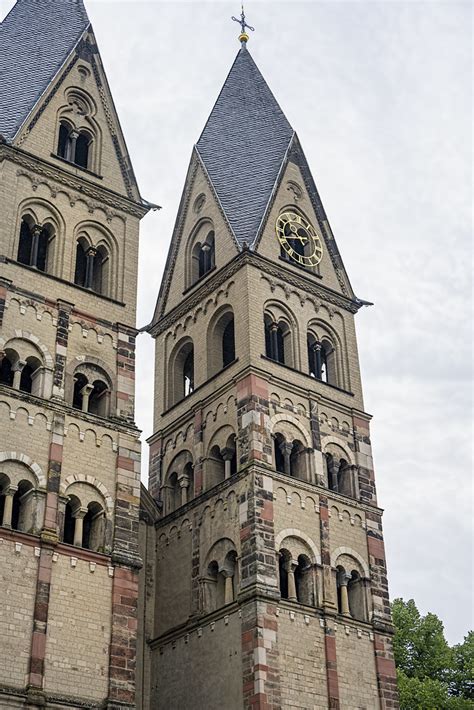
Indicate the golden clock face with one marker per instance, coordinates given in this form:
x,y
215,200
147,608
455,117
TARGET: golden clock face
x,y
298,238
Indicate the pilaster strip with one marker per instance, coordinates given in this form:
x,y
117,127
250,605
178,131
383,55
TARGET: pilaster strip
x,y
386,672
48,541
62,337
125,372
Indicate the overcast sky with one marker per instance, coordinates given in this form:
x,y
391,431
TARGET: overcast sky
x,y
380,96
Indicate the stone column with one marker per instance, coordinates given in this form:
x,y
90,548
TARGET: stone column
x,y
291,566
332,475
35,235
17,370
183,480
90,256
227,455
71,146
274,341
343,580
8,509
79,515
86,393
228,587
207,257
286,448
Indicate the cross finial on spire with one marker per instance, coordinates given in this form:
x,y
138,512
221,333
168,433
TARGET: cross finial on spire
x,y
243,37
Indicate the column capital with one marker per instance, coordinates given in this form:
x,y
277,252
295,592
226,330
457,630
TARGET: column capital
x,y
286,447
227,453
344,578
37,229
86,390
183,480
19,365
79,513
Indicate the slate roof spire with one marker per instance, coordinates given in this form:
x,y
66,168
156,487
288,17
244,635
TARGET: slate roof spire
x,y
243,146
36,37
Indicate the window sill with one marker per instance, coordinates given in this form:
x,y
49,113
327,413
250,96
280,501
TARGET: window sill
x,y
77,167
199,281
300,267
64,281
305,374
200,387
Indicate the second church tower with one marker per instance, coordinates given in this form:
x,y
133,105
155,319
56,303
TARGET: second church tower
x,y
270,581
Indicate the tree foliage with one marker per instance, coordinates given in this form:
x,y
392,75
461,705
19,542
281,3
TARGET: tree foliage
x,y
430,674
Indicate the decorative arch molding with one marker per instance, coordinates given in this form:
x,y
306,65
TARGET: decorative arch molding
x,y
26,335
273,307
29,463
90,481
277,418
91,360
295,532
342,445
351,553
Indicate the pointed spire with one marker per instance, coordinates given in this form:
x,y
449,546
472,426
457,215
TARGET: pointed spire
x,y
243,146
35,40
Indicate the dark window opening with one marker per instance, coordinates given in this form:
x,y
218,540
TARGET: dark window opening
x,y
188,374
24,247
26,382
69,525
81,265
6,372
79,384
228,344
282,563
81,157
64,142
97,399
274,341
278,454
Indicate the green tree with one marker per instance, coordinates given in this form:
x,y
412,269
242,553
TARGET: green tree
x,y
431,675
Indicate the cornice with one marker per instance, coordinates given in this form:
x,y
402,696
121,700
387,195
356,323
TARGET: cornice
x,y
80,187
264,265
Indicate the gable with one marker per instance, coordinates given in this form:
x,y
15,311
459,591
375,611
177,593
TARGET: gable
x,y
81,99
199,213
296,191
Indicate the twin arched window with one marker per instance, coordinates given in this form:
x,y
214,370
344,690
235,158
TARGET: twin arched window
x,y
290,457
23,375
92,267
321,359
73,145
278,340
341,476
351,594
92,390
84,527
34,246
202,256
296,578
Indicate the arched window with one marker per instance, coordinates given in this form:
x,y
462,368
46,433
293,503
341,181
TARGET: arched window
x,y
322,359
351,596
178,487
21,374
278,344
28,378
290,457
180,378
92,267
203,257
92,391
341,476
221,582
34,244
73,145
228,344
220,341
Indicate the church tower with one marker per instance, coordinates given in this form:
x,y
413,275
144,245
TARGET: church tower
x,y
268,588
69,448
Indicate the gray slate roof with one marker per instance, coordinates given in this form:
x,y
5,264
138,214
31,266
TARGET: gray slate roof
x,y
243,146
35,39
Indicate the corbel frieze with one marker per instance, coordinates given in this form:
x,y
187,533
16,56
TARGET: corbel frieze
x,y
80,190
250,258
